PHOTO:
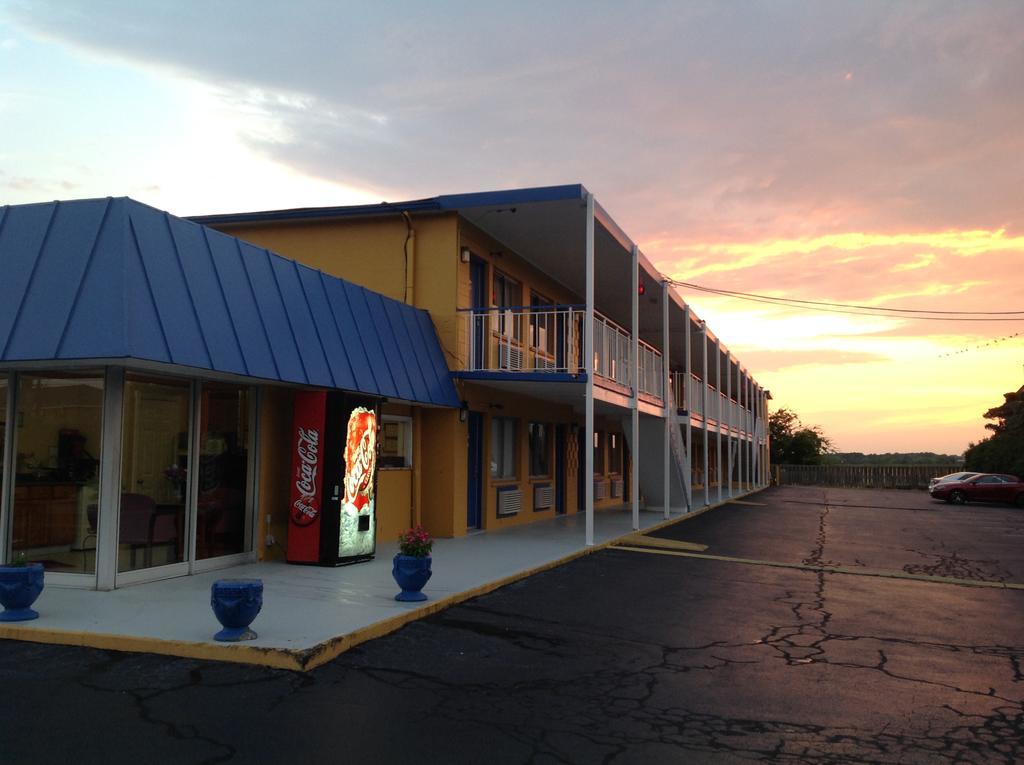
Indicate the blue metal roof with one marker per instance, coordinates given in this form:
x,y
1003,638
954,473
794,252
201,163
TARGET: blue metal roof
x,y
443,203
117,279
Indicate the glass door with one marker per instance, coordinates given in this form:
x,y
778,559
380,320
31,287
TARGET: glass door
x,y
156,450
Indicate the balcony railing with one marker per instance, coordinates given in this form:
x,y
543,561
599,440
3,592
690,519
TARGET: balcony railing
x,y
525,339
687,390
550,339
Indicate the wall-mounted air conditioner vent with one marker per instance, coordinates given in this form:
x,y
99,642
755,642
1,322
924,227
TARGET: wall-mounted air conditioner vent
x,y
600,489
510,356
510,501
539,362
617,487
543,496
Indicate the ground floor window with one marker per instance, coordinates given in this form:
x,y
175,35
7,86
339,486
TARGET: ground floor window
x,y
615,453
504,438
540,450
395,442
57,432
598,453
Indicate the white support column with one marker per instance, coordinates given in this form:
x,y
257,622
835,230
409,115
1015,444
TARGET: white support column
x,y
751,416
728,419
704,408
718,416
741,426
107,517
634,371
688,476
588,359
667,440
764,440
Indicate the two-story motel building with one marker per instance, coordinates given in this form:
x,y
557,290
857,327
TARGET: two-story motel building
x,y
521,285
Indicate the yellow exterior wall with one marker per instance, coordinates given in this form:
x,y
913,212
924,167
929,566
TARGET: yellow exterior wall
x,y
275,459
371,252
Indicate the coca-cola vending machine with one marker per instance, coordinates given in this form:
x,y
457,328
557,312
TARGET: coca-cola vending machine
x,y
332,510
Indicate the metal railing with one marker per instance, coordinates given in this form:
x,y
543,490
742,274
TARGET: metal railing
x,y
550,339
525,339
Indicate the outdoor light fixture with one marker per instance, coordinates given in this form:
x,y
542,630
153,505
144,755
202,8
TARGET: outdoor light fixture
x,y
464,412
641,288
464,254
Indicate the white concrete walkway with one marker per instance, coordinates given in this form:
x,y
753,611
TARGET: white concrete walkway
x,y
310,614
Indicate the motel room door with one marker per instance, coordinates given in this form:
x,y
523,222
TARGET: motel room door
x,y
474,471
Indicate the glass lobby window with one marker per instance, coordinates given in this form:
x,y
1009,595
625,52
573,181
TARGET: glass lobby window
x,y
395,442
540,462
223,470
154,472
56,475
503,447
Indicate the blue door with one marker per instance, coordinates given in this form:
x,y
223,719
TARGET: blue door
x,y
478,296
474,471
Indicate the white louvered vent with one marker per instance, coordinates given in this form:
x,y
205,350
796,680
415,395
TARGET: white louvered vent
x,y
599,490
539,362
543,496
617,487
510,356
510,502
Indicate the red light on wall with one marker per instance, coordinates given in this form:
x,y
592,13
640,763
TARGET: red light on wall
x,y
641,288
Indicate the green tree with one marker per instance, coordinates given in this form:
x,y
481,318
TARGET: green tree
x,y
1003,451
793,443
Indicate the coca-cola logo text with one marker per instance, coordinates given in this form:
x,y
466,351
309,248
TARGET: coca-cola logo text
x,y
304,509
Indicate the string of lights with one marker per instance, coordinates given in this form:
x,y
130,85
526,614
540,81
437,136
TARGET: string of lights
x,y
979,346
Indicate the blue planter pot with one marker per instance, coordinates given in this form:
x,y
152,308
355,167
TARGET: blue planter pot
x,y
19,588
411,574
236,602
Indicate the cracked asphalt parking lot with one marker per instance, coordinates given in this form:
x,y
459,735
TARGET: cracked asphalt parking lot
x,y
617,657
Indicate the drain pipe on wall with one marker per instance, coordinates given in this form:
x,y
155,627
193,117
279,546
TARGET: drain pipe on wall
x,y
410,259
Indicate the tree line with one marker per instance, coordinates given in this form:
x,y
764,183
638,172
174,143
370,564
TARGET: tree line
x,y
794,443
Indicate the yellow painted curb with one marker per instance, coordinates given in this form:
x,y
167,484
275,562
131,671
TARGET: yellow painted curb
x,y
668,544
306,659
831,569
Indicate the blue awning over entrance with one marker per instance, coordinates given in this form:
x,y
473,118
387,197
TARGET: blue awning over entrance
x,y
117,279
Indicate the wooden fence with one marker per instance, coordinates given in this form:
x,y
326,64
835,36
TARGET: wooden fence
x,y
861,476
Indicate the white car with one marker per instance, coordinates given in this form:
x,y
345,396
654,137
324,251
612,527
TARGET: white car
x,y
963,476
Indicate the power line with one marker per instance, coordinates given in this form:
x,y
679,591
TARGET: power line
x,y
860,310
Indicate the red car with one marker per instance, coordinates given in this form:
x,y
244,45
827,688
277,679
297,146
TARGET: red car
x,y
984,487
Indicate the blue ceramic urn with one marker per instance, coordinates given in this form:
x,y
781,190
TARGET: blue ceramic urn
x,y
236,602
19,588
411,574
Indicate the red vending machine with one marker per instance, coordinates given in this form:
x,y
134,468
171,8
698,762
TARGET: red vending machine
x,y
332,509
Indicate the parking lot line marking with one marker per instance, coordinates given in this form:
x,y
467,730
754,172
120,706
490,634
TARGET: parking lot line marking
x,y
668,544
828,569
751,504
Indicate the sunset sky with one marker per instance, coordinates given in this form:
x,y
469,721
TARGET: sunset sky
x,y
854,152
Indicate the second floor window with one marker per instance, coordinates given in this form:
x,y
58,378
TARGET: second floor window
x,y
508,293
542,324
